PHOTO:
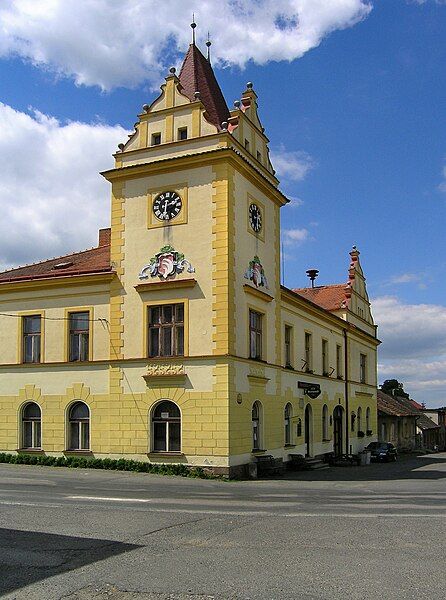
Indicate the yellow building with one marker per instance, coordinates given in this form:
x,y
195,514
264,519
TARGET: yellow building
x,y
173,340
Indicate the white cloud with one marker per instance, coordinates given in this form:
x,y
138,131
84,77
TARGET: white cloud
x,y
442,186
414,346
110,43
52,197
294,237
291,165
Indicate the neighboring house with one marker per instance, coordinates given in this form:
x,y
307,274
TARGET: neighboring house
x,y
173,340
428,432
397,422
438,416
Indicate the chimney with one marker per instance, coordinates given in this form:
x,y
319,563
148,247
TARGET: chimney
x,y
104,237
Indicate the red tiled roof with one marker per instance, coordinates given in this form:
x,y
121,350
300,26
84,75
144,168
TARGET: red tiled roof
x,y
95,260
392,406
197,75
330,297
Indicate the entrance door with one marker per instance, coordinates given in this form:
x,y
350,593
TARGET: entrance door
x,y
308,430
337,430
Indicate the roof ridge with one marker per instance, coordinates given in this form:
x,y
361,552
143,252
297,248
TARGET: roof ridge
x,y
329,285
46,260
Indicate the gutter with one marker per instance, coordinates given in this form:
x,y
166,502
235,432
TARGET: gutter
x,y
346,375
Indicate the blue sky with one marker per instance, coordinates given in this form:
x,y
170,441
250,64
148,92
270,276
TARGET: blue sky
x,y
355,115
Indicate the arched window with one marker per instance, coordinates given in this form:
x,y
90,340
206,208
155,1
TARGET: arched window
x,y
325,422
299,428
367,419
31,426
256,426
359,419
79,427
352,421
166,427
288,414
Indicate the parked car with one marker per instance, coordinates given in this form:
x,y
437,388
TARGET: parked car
x,y
384,451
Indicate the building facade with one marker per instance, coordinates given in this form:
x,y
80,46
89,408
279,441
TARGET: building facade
x,y
173,340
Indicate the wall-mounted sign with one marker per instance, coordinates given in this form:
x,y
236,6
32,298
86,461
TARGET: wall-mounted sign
x,y
313,390
166,263
256,273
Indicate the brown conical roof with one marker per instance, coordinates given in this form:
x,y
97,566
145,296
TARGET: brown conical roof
x,y
197,75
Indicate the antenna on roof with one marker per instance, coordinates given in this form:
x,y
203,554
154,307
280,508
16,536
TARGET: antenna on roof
x,y
208,44
193,25
312,274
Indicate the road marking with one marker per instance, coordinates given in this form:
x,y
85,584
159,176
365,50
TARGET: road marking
x,y
108,499
248,513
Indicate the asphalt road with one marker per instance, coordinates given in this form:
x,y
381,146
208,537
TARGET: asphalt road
x,y
350,532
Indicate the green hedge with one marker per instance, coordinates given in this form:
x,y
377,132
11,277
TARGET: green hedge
x,y
122,464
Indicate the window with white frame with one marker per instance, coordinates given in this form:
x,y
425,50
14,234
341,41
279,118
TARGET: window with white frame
x,y
338,361
256,415
79,427
32,334
79,336
255,335
288,354
308,351
324,357
288,414
31,426
325,422
363,368
166,427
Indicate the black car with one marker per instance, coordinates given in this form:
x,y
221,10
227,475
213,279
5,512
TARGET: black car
x,y
384,451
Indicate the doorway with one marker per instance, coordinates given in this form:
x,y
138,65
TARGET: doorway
x,y
337,430
308,430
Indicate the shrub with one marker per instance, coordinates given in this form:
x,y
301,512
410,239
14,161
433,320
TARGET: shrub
x,y
121,464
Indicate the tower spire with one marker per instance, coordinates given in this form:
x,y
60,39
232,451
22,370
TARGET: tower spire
x,y
193,25
208,44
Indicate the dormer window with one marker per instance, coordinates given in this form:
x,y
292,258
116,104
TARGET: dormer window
x,y
182,133
156,139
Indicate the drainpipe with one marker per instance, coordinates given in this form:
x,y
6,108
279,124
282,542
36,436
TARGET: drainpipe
x,y
346,392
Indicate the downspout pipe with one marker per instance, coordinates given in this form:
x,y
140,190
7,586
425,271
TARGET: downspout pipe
x,y
346,378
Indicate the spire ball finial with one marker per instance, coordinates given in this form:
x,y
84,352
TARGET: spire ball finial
x,y
249,85
237,103
224,126
193,25
197,95
172,70
145,108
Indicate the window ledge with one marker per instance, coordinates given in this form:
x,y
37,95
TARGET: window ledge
x,y
326,439
30,451
156,454
78,452
257,452
166,284
290,446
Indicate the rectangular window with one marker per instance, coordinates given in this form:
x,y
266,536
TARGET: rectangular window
x,y
247,145
363,368
31,327
79,336
182,133
156,139
166,330
324,357
255,335
338,361
288,346
259,156
308,357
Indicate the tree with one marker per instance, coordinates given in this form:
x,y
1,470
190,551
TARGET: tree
x,y
394,388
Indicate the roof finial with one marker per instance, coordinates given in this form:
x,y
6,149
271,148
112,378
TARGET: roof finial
x,y
193,25
208,44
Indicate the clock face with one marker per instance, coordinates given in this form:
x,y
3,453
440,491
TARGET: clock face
x,y
255,217
167,206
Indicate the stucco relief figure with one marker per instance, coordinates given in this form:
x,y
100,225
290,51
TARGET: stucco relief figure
x,y
256,273
166,263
